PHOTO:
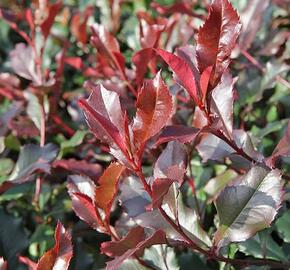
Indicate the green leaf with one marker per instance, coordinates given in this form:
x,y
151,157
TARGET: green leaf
x,y
6,166
162,257
131,264
13,239
263,246
12,142
248,206
187,259
283,225
41,240
68,145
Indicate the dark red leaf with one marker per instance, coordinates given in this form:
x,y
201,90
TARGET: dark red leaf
x,y
217,38
183,71
79,166
82,192
160,188
154,108
158,237
130,241
105,117
179,133
47,24
58,258
204,81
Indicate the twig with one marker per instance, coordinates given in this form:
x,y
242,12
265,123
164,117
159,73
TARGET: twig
x,y
260,67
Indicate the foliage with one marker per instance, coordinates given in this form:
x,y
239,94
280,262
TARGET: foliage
x,y
156,132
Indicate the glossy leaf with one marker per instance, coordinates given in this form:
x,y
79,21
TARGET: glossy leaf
x,y
105,117
181,215
58,258
183,72
160,188
257,197
82,192
217,38
154,108
171,163
108,187
133,196
158,237
178,133
263,246
130,241
223,102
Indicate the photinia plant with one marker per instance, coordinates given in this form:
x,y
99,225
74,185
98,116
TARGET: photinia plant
x,y
170,173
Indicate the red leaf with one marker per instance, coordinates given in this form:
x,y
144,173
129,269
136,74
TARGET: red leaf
x,y
82,192
47,24
183,8
178,133
217,38
183,72
3,264
104,40
75,62
158,237
204,81
130,241
160,188
141,60
79,166
106,192
78,25
154,108
105,117
59,256
30,264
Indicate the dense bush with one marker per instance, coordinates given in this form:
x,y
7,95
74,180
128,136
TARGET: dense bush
x,y
144,135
